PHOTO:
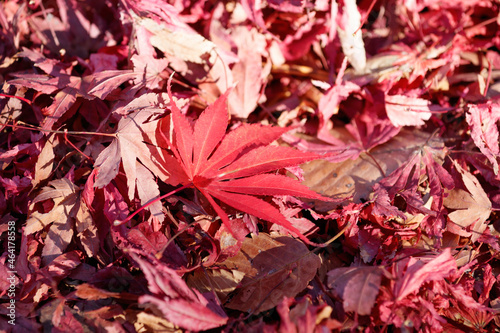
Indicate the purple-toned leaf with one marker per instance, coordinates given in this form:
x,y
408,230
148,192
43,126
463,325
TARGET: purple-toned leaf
x,y
482,120
105,82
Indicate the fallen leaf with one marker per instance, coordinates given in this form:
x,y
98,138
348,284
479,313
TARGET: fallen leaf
x,y
273,267
45,162
482,120
234,166
355,178
86,229
103,83
221,281
135,142
249,72
147,322
358,287
179,304
407,111
473,207
64,194
149,70
61,217
350,35
181,41
418,272
58,238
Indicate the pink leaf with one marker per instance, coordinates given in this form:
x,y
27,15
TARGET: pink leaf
x,y
418,272
248,71
407,111
357,286
105,82
178,303
482,120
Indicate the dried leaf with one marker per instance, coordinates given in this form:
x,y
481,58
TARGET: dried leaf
x,y
86,229
357,286
356,178
273,267
350,35
473,207
129,147
179,304
221,281
65,195
419,272
482,120
407,111
146,322
184,44
58,238
103,83
248,72
45,162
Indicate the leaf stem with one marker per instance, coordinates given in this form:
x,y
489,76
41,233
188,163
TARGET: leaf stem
x,y
376,162
18,97
118,222
66,132
75,147
334,238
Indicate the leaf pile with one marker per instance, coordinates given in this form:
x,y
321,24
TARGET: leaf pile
x,y
291,166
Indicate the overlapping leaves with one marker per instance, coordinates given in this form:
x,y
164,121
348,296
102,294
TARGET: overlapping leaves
x,y
234,167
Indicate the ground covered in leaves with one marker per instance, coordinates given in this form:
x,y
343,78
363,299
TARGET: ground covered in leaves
x,y
291,166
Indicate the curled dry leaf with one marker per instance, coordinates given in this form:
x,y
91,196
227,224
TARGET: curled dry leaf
x,y
147,322
350,35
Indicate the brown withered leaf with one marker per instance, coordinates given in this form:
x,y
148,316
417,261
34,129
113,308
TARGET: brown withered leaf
x,y
92,293
148,323
222,281
45,162
89,292
355,178
86,229
473,207
273,267
65,196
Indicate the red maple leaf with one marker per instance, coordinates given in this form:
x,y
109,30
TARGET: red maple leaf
x,y
234,167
